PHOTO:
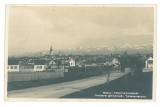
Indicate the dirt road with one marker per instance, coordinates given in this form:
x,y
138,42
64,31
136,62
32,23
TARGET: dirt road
x,y
61,89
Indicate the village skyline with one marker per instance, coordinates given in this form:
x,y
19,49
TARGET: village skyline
x,y
88,50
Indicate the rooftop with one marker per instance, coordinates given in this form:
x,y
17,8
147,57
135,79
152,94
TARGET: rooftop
x,y
39,62
13,62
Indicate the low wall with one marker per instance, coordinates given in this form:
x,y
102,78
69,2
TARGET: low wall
x,y
27,76
147,70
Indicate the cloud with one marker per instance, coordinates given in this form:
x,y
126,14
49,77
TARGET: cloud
x,y
33,28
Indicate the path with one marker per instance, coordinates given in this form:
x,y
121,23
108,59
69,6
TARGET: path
x,y
61,89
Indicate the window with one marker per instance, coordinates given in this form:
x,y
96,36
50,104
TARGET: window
x,y
15,67
11,67
39,67
150,61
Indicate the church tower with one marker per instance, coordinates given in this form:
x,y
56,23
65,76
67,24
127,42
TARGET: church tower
x,y
51,50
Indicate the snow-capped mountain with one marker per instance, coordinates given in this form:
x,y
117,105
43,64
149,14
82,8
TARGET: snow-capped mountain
x,y
106,49
147,48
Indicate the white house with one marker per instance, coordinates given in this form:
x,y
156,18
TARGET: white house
x,y
25,66
13,66
53,64
30,61
39,65
112,61
149,62
115,61
72,63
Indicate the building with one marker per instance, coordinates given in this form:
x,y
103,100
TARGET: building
x,y
39,65
148,65
88,64
115,61
79,63
13,65
112,61
25,66
54,64
30,61
149,62
72,63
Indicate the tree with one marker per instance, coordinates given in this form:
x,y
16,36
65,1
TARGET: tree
x,y
108,69
124,60
138,64
132,63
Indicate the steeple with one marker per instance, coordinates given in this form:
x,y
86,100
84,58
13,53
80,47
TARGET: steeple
x,y
51,50
83,54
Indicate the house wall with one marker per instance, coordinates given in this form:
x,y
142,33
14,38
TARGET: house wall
x,y
53,66
149,65
72,63
79,65
26,70
13,68
88,65
52,62
94,64
39,67
115,61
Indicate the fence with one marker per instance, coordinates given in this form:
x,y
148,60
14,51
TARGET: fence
x,y
27,76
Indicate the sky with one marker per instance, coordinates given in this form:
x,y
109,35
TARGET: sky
x,y
36,28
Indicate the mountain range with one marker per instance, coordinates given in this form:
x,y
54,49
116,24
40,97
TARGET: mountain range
x,y
91,50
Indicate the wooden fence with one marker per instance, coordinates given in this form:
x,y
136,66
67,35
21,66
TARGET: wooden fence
x,y
27,76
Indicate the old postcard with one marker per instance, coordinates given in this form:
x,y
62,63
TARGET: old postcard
x,y
80,52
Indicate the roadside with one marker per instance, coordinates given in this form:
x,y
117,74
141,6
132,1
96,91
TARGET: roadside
x,y
136,87
68,76
62,89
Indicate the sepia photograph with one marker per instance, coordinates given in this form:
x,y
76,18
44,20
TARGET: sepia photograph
x,y
95,52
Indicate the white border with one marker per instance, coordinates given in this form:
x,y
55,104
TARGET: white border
x,y
90,100
2,29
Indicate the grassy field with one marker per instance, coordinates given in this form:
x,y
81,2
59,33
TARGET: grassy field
x,y
138,87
